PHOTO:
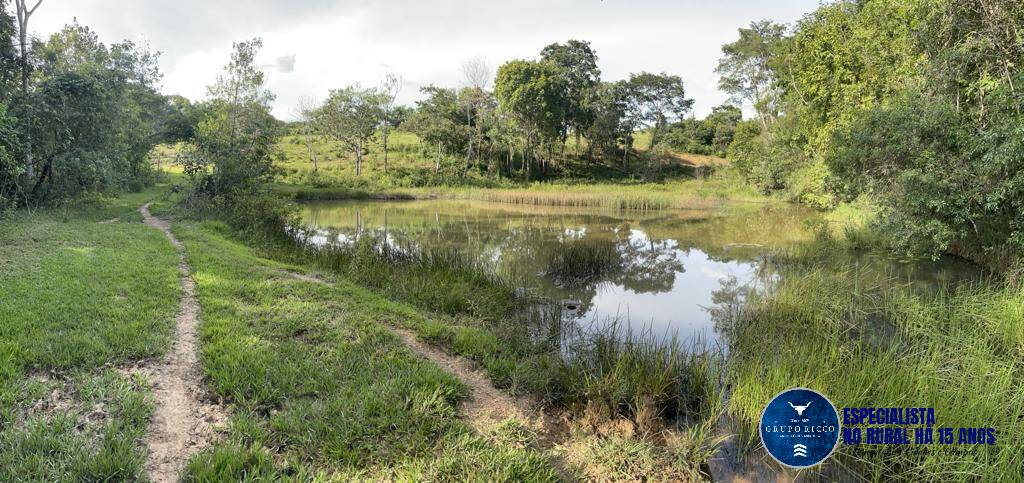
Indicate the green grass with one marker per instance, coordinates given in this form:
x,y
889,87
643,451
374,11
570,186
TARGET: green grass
x,y
520,341
642,196
865,342
79,298
657,181
653,181
319,384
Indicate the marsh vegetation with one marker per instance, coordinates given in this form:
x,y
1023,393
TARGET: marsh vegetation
x,y
646,279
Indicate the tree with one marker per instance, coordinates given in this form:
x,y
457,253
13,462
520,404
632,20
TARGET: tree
x,y
711,135
657,100
305,114
476,73
351,116
437,121
237,133
398,116
389,89
534,93
476,105
475,101
608,129
24,14
180,118
94,114
9,60
975,47
9,168
745,69
578,65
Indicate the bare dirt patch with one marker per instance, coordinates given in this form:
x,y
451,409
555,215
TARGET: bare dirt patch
x,y
486,402
185,414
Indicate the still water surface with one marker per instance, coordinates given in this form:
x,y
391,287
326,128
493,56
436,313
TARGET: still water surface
x,y
672,272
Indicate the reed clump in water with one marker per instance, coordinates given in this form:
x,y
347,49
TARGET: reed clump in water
x,y
577,261
440,280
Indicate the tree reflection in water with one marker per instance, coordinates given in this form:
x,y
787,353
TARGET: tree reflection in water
x,y
658,270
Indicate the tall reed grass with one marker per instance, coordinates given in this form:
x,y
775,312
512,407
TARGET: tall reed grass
x,y
866,341
577,261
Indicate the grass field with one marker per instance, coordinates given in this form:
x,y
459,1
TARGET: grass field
x,y
654,181
316,384
86,291
867,340
320,386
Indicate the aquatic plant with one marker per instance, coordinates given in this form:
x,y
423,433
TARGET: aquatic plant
x,y
866,340
576,261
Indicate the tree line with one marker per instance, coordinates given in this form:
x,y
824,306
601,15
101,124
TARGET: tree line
x,y
523,122
915,104
76,115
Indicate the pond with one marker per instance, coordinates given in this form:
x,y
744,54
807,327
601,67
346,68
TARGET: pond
x,y
670,272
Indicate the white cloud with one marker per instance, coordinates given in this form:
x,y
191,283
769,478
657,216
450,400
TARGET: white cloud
x,y
285,64
313,46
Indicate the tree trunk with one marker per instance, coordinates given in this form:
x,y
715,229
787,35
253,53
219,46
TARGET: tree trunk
x,y
359,158
309,146
551,157
625,153
23,13
385,148
47,173
469,145
437,162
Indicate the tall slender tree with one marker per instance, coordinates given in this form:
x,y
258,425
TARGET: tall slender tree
x,y
474,100
304,113
658,99
24,14
237,134
389,89
745,69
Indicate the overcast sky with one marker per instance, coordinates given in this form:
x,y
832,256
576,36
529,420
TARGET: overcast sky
x,y
311,46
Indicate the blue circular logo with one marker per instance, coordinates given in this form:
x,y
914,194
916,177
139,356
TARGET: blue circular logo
x,y
800,427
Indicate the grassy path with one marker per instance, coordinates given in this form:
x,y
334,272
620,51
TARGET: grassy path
x,y
486,407
183,415
322,389
87,292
